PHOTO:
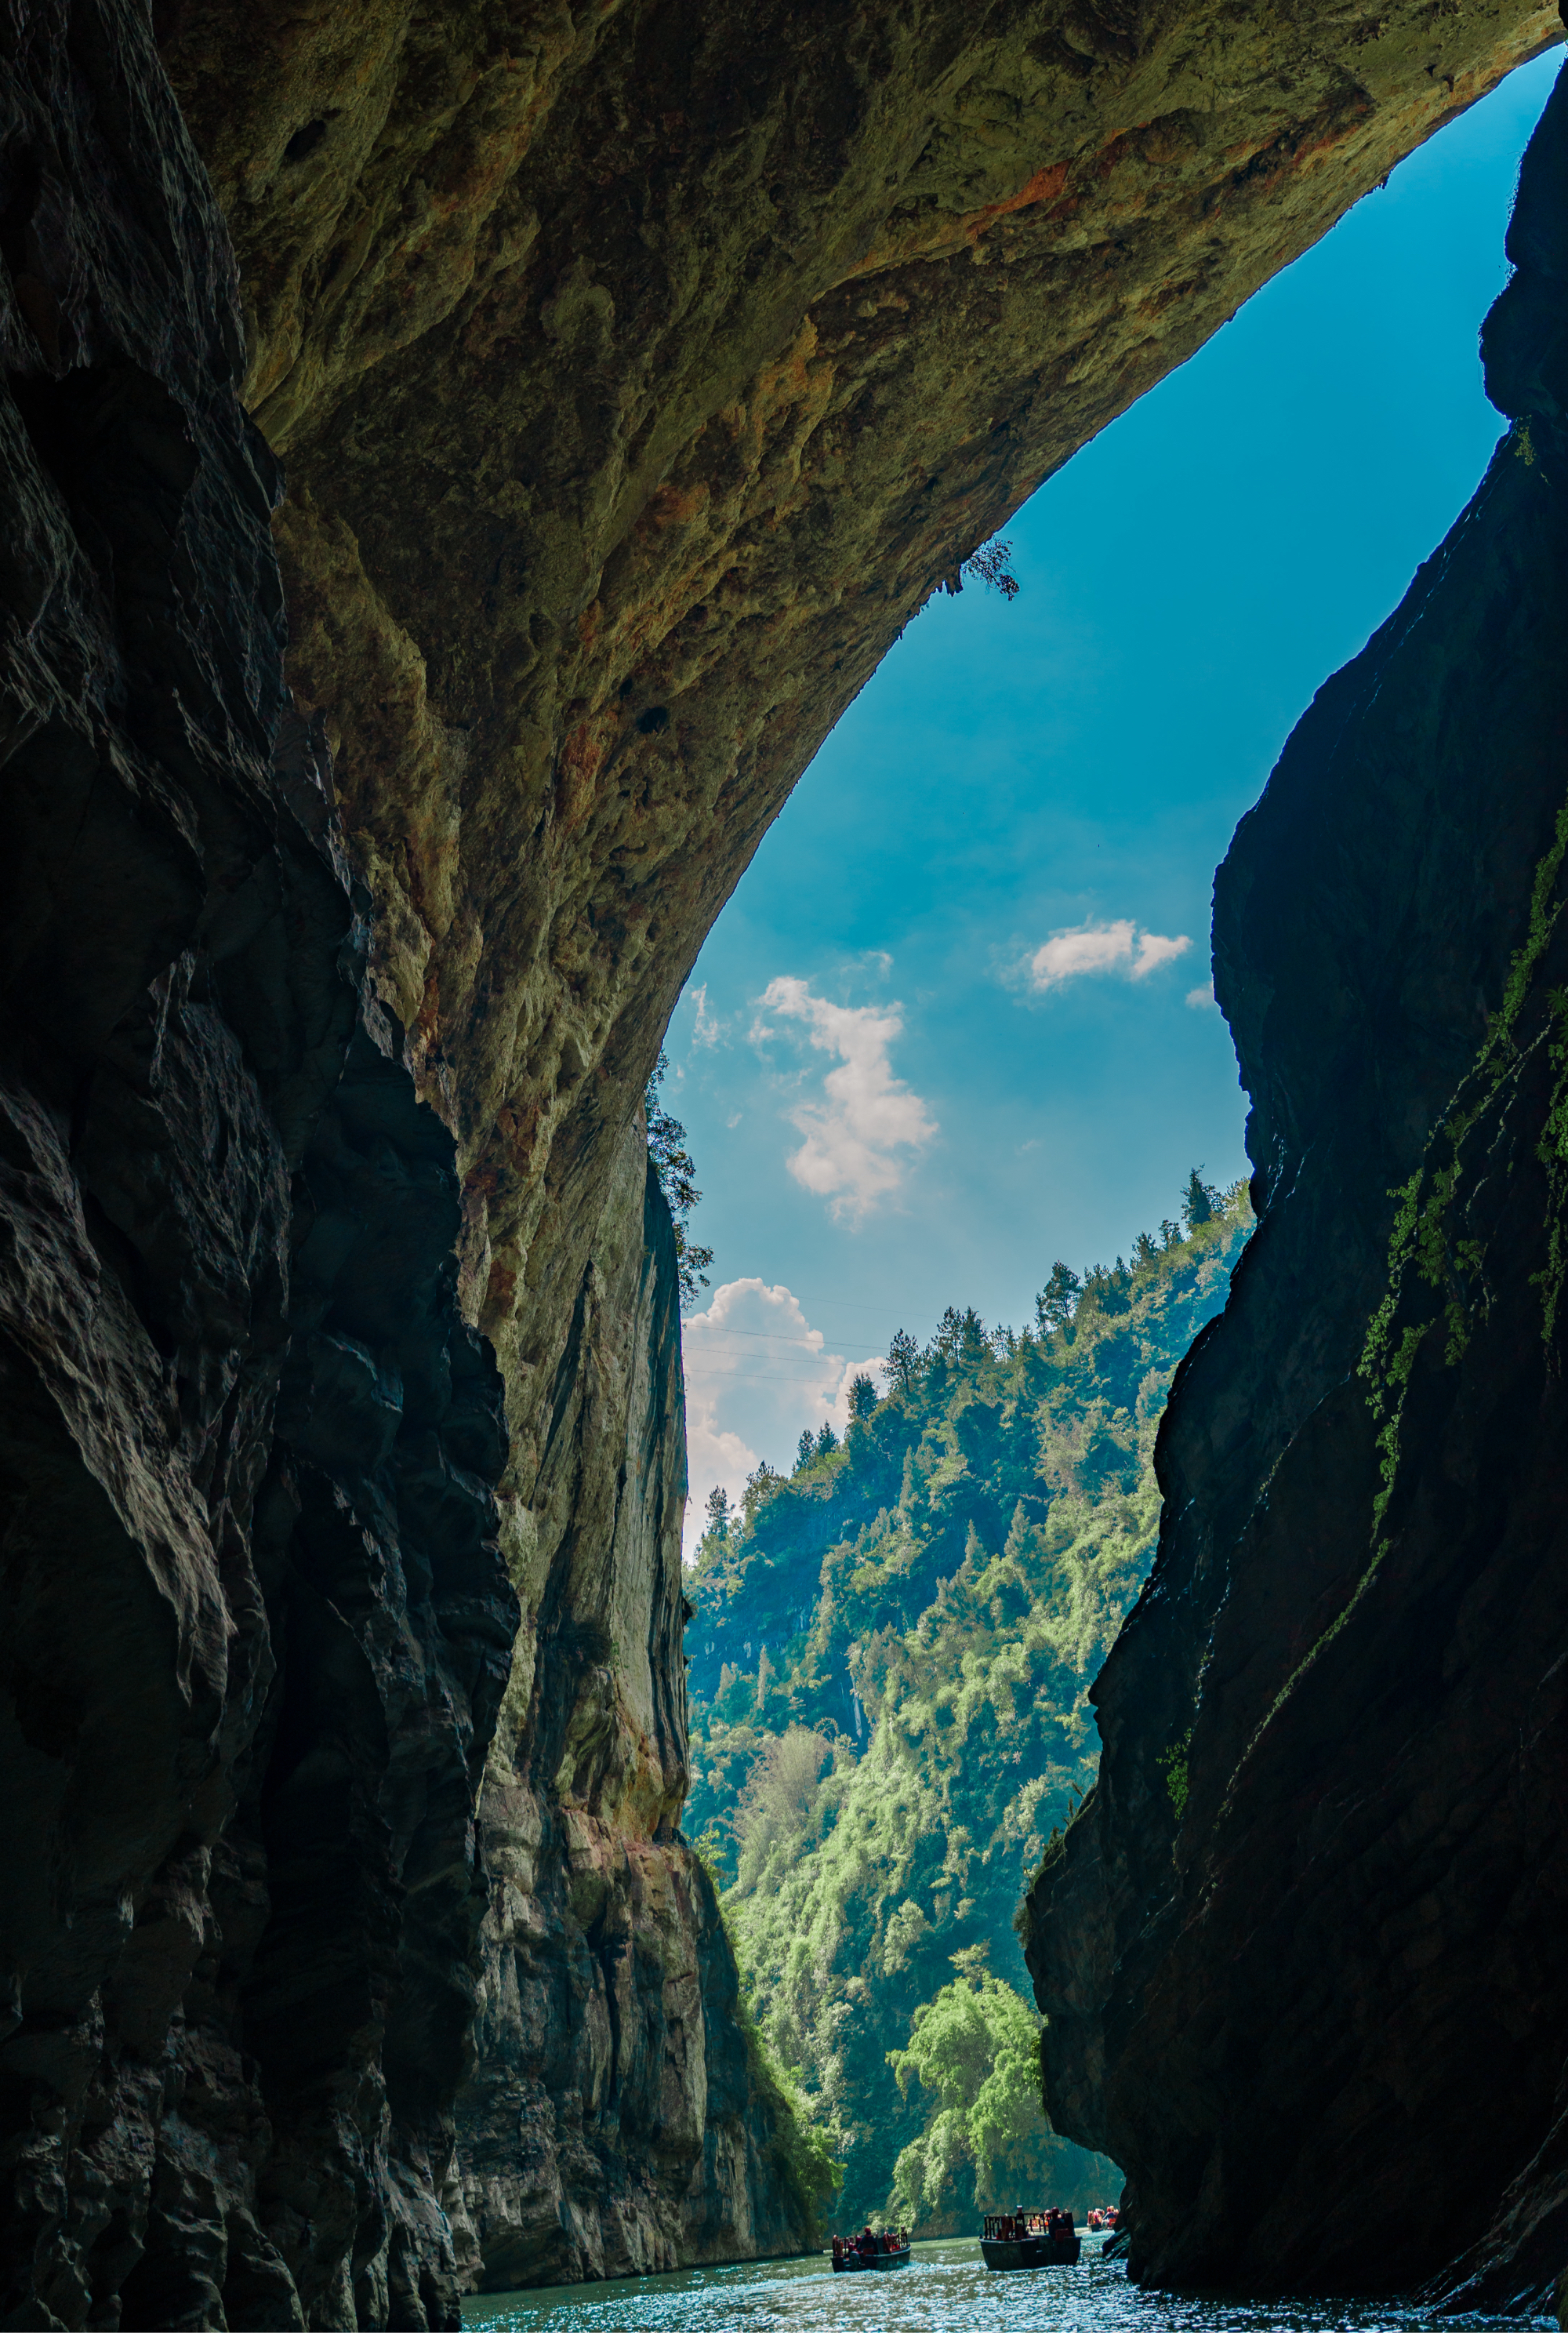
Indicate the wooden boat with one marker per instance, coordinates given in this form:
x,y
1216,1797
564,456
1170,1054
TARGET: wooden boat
x,y
1030,2240
849,2259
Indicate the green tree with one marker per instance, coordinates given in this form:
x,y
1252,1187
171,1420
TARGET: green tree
x,y
1200,1202
862,1396
974,2050
826,1443
903,1360
804,1449
937,1598
759,1488
1057,1300
992,566
718,1514
677,1170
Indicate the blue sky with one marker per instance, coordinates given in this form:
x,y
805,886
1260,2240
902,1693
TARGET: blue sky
x,y
952,1025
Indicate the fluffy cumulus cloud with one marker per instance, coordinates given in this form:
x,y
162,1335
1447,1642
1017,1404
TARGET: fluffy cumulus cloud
x,y
860,1134
1120,948
1202,1000
757,1372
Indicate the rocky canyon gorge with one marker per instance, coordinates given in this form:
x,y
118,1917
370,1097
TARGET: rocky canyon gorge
x,y
1300,1952
458,464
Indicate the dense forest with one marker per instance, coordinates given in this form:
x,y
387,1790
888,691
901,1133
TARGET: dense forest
x,y
890,1657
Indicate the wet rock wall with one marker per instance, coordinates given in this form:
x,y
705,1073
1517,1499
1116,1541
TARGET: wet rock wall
x,y
1299,1951
254,1622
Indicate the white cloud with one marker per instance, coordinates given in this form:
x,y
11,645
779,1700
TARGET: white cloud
x,y
706,1031
865,1115
1199,997
1154,950
1120,948
757,1372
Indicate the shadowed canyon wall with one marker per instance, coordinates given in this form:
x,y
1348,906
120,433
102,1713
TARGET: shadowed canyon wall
x,y
256,1623
635,375
1301,1951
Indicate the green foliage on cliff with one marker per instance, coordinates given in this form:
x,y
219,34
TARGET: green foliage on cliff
x,y
975,2050
676,1169
890,1658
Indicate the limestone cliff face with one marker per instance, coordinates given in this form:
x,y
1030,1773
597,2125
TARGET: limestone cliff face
x,y
639,373
254,1626
1301,1951
636,377
614,2124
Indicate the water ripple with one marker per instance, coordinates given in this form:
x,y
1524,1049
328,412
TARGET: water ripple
x,y
946,2289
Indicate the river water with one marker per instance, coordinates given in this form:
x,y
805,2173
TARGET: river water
x,y
946,2289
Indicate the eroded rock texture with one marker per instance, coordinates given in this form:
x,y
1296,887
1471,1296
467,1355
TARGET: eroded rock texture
x,y
254,1626
1302,1952
615,2124
638,372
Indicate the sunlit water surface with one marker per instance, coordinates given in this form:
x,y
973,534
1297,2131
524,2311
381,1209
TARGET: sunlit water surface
x,y
946,2289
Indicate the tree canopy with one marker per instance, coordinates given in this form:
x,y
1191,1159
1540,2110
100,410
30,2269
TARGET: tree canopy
x,y
890,1657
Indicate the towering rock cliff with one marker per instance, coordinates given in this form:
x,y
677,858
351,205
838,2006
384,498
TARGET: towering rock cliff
x,y
633,378
617,2122
256,1627
1301,1951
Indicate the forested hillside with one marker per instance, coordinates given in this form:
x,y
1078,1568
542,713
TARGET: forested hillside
x,y
890,1658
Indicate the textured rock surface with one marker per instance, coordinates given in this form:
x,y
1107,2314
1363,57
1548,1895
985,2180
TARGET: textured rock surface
x,y
1321,2019
638,375
614,2124
247,1676
636,380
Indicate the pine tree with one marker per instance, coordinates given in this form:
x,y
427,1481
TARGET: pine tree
x,y
805,1449
1057,1300
677,1170
862,1396
903,1360
826,1443
718,1512
1200,1202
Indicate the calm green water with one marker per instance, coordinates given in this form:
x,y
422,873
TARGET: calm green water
x,y
945,2289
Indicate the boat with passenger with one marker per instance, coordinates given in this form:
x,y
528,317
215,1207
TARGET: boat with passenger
x,y
873,2247
1030,2240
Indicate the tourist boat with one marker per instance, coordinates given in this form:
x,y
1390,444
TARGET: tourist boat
x,y
889,2247
1030,2240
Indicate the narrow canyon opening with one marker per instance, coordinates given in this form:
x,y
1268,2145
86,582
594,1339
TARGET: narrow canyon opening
x,y
460,466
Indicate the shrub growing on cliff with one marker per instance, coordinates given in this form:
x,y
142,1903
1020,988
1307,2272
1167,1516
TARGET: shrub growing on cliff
x,y
805,2154
674,1165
